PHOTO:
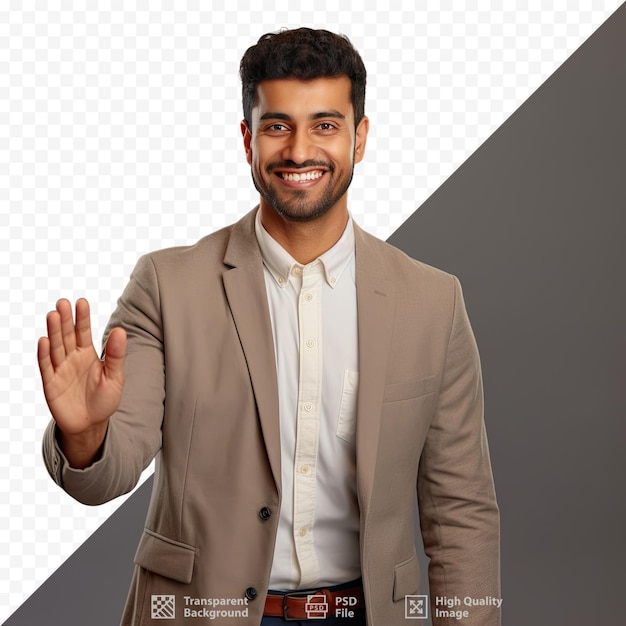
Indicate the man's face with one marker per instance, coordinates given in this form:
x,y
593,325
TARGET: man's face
x,y
302,145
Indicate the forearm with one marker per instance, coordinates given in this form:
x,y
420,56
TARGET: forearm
x,y
105,464
463,543
84,449
122,458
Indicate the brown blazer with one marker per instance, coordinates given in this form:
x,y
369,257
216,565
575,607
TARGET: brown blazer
x,y
201,395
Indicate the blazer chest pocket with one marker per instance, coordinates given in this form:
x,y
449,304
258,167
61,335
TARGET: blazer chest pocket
x,y
409,389
166,557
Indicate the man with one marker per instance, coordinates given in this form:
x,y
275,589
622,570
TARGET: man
x,y
296,379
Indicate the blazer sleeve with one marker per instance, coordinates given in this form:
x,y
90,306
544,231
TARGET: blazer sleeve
x,y
134,432
459,516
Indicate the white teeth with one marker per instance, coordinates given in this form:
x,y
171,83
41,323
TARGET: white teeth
x,y
301,177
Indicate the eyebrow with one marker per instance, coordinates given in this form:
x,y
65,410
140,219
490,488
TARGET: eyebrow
x,y
271,115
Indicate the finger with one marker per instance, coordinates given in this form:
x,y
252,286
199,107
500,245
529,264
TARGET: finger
x,y
114,353
83,324
57,348
68,331
43,358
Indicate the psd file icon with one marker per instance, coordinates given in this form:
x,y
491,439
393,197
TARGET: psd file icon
x,y
316,606
416,607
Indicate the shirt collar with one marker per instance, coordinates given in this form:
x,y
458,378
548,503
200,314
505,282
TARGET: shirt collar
x,y
281,264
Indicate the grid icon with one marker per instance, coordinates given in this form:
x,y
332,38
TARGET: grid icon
x,y
163,607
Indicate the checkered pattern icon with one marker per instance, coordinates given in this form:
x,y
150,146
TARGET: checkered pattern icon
x,y
163,607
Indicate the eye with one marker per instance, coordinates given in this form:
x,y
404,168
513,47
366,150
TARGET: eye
x,y
276,128
326,126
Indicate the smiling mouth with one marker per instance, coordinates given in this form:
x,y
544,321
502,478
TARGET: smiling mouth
x,y
301,177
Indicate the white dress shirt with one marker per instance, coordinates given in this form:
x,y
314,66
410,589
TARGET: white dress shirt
x,y
314,323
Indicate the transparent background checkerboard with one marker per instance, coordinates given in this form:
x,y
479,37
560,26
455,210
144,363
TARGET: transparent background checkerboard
x,y
119,134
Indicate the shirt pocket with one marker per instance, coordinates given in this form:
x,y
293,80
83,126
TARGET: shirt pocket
x,y
346,424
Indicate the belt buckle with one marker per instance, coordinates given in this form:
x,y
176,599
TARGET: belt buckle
x,y
292,594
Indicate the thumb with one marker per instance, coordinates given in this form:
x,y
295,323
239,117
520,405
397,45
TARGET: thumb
x,y
114,352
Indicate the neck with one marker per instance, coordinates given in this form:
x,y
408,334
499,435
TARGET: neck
x,y
305,241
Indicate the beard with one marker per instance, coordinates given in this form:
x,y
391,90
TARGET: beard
x,y
299,207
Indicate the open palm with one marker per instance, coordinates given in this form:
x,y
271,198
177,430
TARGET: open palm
x,y
82,391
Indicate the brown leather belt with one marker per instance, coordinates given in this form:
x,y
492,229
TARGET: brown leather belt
x,y
302,605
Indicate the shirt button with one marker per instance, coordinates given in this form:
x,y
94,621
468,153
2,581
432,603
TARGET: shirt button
x,y
333,280
308,406
302,532
251,593
281,281
308,297
265,513
310,343
304,469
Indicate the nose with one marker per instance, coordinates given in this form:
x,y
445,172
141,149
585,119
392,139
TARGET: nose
x,y
299,147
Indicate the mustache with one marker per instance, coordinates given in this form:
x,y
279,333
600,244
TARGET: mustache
x,y
291,165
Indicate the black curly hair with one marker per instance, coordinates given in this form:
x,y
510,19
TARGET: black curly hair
x,y
305,54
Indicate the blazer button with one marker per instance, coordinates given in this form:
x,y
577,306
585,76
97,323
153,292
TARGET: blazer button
x,y
265,513
251,593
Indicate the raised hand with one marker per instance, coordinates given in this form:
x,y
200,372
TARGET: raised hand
x,y
82,391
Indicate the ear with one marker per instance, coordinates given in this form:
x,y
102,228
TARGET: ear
x,y
247,140
361,139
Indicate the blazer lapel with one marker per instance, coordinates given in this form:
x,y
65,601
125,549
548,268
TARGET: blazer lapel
x,y
375,312
244,284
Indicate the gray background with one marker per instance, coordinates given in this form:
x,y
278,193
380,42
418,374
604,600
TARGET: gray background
x,y
532,224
